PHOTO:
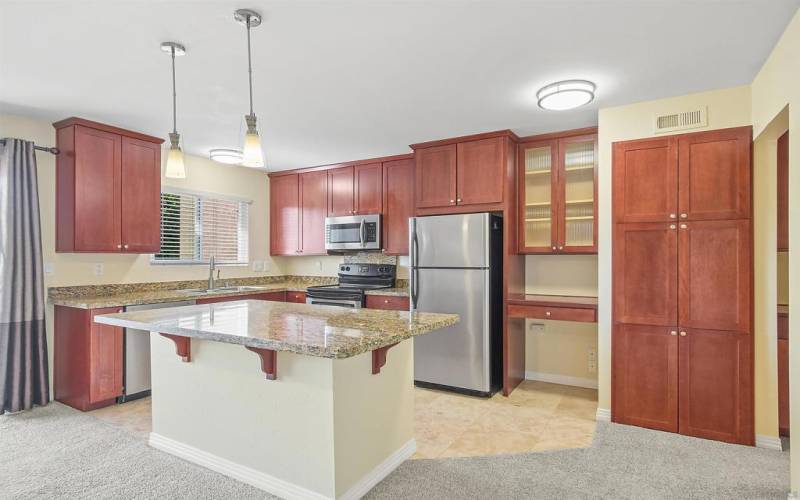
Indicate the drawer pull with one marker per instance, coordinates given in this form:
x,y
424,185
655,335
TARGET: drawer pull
x,y
547,313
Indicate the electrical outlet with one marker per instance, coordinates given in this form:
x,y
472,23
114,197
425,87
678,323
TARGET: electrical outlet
x,y
98,269
258,266
48,268
536,327
592,360
319,265
266,265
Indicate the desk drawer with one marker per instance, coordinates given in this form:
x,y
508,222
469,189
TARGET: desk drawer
x,y
553,313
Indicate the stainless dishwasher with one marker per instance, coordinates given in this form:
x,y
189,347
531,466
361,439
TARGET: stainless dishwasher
x,y
136,378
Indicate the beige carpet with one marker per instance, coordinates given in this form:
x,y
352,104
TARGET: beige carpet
x,y
57,452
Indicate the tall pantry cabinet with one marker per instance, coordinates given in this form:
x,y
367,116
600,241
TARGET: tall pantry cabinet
x,y
682,344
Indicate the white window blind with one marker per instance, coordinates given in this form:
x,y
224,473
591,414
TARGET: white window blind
x,y
196,226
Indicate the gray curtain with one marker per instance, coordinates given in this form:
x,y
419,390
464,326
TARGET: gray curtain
x,y
23,342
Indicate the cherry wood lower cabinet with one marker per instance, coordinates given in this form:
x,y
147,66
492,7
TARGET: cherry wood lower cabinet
x,y
645,376
395,303
273,296
783,387
715,373
88,358
296,297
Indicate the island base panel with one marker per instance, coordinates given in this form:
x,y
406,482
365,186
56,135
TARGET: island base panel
x,y
325,427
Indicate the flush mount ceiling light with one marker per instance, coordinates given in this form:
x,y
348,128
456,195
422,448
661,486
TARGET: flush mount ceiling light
x,y
252,153
566,94
227,156
175,167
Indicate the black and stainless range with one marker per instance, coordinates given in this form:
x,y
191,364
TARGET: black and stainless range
x,y
354,280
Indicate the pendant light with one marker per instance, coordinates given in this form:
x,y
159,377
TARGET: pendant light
x,y
175,167
252,155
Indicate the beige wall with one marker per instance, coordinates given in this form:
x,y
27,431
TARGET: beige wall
x,y
203,175
560,352
726,108
774,88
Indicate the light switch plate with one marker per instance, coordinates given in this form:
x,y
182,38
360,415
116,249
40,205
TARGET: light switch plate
x,y
258,266
48,268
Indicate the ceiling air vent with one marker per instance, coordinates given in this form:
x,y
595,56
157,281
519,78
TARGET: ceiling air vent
x,y
694,118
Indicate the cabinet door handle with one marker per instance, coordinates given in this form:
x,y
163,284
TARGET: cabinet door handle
x,y
125,246
459,200
554,248
673,333
683,226
561,248
386,301
683,216
547,313
452,201
119,246
672,216
683,334
672,226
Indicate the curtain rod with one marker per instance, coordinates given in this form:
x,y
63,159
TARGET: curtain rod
x,y
38,148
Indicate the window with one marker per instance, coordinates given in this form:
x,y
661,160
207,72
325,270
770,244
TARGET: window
x,y
196,226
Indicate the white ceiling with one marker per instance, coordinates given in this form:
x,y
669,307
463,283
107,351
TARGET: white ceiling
x,y
344,80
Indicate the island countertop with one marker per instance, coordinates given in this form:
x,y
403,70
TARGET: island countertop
x,y
322,331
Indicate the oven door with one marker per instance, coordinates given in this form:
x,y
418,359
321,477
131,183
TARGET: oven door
x,y
357,232
352,304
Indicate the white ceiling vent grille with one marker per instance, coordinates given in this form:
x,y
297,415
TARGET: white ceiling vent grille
x,y
695,118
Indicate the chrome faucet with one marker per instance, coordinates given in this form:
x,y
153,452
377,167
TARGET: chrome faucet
x,y
212,266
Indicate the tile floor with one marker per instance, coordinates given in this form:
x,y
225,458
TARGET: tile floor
x,y
536,417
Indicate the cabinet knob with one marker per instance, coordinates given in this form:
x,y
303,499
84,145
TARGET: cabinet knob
x,y
452,201
683,226
459,200
386,301
672,216
683,334
554,248
119,246
561,248
125,246
672,226
547,313
673,333
683,216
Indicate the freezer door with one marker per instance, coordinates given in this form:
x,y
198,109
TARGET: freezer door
x,y
459,355
450,241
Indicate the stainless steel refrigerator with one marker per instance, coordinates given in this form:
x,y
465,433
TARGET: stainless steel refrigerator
x,y
456,267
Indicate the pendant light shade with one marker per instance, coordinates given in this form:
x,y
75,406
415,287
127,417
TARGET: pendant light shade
x,y
252,154
175,168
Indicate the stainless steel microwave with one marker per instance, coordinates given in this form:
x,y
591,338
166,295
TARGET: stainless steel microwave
x,y
353,232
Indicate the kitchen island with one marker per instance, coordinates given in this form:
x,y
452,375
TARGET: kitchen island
x,y
301,401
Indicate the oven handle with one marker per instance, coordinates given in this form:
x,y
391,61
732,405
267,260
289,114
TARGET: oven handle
x,y
361,233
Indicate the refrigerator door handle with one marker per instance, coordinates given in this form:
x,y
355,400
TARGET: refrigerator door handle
x,y
414,286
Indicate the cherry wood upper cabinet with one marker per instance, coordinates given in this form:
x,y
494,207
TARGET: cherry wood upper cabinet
x,y
141,196
284,203
313,209
340,192
645,185
398,195
716,385
714,174
436,176
645,285
557,180
480,171
368,188
715,275
108,187
645,376
783,193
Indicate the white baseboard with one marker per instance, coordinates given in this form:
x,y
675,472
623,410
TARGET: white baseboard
x,y
603,415
561,379
769,442
266,482
380,472
272,484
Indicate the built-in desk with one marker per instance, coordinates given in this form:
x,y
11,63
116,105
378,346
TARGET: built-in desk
x,y
553,307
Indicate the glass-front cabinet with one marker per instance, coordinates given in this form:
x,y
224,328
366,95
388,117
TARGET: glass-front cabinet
x,y
558,194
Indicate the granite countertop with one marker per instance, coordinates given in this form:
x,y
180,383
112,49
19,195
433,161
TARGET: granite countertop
x,y
99,296
323,331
